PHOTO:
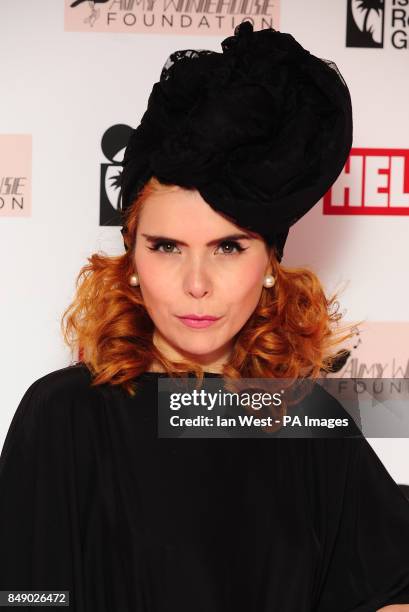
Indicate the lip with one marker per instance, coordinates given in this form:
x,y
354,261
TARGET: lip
x,y
199,317
198,322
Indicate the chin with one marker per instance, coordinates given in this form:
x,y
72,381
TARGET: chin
x,y
199,348
196,350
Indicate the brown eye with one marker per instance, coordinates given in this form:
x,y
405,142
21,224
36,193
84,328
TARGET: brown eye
x,y
232,244
160,243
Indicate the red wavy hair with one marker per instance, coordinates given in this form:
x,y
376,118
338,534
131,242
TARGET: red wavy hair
x,y
291,333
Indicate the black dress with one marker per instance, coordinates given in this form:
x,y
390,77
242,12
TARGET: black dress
x,y
94,503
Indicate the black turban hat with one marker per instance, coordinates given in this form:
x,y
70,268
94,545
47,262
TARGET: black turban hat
x,y
261,130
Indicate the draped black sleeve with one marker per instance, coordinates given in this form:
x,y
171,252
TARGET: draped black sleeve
x,y
364,526
42,474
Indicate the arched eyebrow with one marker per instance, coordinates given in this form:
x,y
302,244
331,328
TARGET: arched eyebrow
x,y
241,236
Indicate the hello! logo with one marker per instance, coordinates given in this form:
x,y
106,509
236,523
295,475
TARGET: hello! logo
x,y
372,182
365,26
113,144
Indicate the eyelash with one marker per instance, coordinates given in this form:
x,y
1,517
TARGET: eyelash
x,y
160,243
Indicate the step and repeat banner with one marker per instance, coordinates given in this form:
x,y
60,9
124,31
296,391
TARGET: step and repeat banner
x,y
76,75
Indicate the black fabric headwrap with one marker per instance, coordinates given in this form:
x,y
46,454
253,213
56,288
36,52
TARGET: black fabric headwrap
x,y
261,130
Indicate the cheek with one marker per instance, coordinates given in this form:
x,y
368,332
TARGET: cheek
x,y
156,285
237,287
242,293
246,280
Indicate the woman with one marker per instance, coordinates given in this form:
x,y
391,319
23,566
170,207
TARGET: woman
x,y
92,500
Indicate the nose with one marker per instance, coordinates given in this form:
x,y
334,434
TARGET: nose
x,y
197,281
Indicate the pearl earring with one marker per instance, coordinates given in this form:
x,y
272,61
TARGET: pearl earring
x,y
134,280
269,281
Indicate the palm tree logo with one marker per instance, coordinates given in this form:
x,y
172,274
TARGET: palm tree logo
x,y
365,23
113,145
367,6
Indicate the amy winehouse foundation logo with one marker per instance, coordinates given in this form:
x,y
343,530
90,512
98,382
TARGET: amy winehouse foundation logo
x,y
15,175
206,17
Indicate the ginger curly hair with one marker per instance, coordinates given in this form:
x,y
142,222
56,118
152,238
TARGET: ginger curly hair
x,y
291,333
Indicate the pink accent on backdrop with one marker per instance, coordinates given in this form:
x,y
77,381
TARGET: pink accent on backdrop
x,y
380,349
15,175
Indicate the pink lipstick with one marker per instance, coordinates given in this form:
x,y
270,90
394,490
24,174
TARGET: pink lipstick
x,y
198,321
